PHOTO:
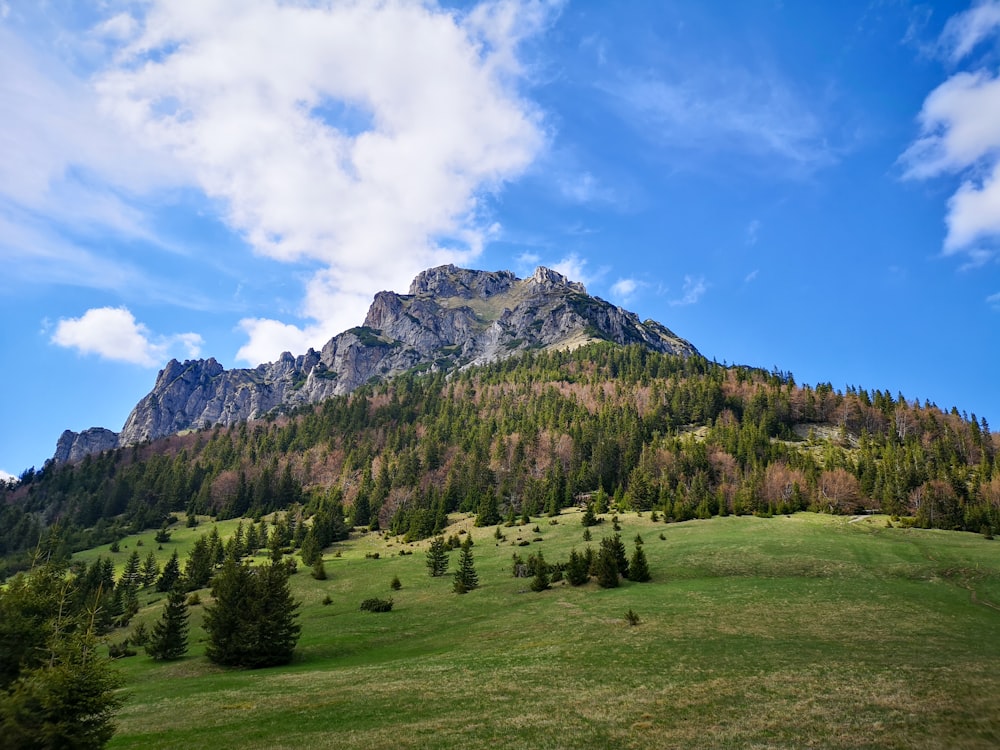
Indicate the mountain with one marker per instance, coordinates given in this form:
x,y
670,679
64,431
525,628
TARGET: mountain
x,y
451,318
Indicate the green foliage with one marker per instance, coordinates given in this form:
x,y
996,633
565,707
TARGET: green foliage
x,y
170,574
638,569
437,557
632,618
466,578
168,639
606,565
252,622
541,580
578,568
395,585
375,604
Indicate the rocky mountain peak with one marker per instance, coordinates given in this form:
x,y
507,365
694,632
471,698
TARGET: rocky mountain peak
x,y
452,318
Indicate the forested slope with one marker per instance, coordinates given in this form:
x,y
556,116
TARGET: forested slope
x,y
603,424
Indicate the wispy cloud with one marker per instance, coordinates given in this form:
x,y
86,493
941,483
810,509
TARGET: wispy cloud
x,y
753,232
693,290
960,134
114,334
725,110
334,136
994,301
751,276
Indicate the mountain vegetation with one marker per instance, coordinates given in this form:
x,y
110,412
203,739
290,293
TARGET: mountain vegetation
x,y
641,430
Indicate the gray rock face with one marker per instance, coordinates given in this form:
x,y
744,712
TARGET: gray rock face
x,y
451,318
72,446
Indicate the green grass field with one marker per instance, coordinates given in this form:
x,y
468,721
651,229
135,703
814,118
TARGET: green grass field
x,y
793,632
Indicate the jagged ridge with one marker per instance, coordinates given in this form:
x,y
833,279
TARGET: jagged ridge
x,y
451,318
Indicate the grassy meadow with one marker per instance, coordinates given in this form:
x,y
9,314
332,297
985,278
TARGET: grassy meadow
x,y
806,631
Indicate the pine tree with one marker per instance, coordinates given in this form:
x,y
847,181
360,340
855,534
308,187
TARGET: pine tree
x,y
252,623
169,637
606,565
638,569
466,578
199,565
577,572
171,572
589,518
437,557
150,570
275,631
541,580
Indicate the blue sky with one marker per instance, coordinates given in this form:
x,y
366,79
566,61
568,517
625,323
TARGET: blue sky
x,y
809,186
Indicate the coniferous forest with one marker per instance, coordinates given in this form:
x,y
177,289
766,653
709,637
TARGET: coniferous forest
x,y
617,427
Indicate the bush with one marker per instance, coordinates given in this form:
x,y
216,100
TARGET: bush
x,y
194,600
120,650
631,618
376,605
396,585
327,601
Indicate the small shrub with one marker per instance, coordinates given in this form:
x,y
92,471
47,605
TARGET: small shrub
x,y
662,535
140,635
120,650
632,618
536,530
396,585
115,547
327,601
523,543
194,600
376,605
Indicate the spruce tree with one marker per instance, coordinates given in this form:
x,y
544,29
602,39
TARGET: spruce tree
x,y
437,557
275,630
169,637
466,578
227,621
150,570
541,580
606,565
171,572
577,572
638,569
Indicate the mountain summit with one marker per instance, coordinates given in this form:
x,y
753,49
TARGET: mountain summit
x,y
451,318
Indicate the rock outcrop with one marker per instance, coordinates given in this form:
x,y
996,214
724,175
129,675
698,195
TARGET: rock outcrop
x,y
451,318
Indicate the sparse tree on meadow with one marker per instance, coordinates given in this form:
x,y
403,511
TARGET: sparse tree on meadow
x,y
437,557
169,638
466,577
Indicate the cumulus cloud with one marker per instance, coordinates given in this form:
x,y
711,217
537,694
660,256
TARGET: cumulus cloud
x,y
573,267
960,134
113,333
694,288
362,138
624,290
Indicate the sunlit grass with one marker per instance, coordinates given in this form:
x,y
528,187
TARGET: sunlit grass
x,y
808,631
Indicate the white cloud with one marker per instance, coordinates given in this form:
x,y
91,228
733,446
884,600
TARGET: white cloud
x,y
694,288
960,134
966,30
573,268
753,232
365,137
751,276
113,333
624,290
994,301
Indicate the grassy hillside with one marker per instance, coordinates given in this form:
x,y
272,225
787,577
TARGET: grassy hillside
x,y
785,632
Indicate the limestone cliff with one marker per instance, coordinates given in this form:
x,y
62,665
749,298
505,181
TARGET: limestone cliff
x,y
451,318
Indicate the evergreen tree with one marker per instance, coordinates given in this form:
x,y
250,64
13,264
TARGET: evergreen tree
x,y
638,569
171,572
150,569
577,572
227,622
169,637
199,565
466,578
541,580
275,629
589,518
437,557
310,550
621,556
606,565
252,623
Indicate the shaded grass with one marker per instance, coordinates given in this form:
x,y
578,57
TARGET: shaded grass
x,y
755,633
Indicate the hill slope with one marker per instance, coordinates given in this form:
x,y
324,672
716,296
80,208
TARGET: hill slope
x,y
451,318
